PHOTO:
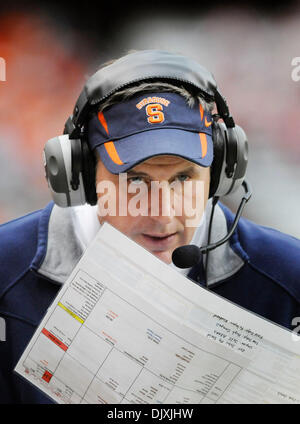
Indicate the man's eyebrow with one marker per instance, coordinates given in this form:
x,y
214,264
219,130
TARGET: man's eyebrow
x,y
137,174
191,170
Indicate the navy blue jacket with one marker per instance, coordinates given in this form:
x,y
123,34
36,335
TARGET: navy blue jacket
x,y
259,269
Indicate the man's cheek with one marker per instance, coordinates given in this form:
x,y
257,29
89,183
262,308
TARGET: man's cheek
x,y
106,204
194,202
138,200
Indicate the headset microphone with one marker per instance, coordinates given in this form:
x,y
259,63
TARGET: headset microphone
x,y
186,256
190,255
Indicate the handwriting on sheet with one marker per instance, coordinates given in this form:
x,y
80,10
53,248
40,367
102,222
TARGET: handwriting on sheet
x,y
233,335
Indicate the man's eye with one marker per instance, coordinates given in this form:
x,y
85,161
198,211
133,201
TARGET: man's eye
x,y
179,179
136,180
182,177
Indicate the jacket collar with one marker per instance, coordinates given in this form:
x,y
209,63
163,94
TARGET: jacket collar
x,y
55,260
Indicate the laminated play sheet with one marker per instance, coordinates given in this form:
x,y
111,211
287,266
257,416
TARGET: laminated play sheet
x,y
127,328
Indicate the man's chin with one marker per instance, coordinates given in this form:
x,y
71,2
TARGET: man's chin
x,y
165,256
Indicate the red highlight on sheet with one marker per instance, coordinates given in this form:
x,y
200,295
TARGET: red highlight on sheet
x,y
54,339
47,376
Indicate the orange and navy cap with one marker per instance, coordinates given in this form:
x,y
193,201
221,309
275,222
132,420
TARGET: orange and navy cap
x,y
127,133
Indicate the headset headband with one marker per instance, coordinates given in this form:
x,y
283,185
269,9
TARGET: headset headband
x,y
69,162
141,66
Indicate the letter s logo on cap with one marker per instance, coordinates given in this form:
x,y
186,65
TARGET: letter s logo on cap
x,y
155,116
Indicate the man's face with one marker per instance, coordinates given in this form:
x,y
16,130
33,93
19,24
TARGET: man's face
x,y
157,219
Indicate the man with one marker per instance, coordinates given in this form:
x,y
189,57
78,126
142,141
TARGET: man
x,y
157,135
158,161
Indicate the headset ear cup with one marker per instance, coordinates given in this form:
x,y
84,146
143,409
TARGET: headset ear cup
x,y
242,153
89,174
241,161
57,163
217,164
222,184
60,155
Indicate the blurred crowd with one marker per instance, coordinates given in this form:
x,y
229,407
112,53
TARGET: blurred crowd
x,y
249,53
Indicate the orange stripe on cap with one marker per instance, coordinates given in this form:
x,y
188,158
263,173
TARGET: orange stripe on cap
x,y
203,141
103,121
109,145
112,152
201,111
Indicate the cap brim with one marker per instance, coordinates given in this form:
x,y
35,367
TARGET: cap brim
x,y
121,155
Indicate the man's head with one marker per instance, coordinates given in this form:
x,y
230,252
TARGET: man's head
x,y
154,151
141,118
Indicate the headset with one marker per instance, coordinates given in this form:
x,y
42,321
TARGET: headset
x,y
70,164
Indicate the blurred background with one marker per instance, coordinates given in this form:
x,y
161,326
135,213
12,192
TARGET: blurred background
x,y
51,50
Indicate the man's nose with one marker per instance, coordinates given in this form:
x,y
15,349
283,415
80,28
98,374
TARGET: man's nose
x,y
161,202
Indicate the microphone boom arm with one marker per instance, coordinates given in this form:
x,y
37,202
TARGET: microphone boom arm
x,y
245,198
189,255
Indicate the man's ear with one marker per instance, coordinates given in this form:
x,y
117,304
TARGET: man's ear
x,y
97,162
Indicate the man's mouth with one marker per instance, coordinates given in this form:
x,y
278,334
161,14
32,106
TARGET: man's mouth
x,y
158,242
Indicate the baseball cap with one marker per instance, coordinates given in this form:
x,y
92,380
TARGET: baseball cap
x,y
132,131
